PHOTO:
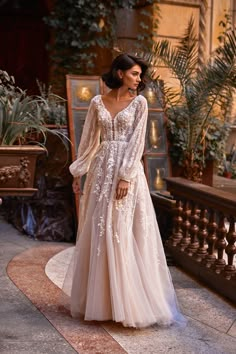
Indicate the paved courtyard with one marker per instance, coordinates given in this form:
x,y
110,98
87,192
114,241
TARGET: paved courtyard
x,y
33,317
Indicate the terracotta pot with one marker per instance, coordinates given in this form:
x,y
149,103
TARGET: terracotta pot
x,y
17,169
227,174
207,176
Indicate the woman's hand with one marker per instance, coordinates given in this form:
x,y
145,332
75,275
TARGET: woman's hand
x,y
122,189
76,185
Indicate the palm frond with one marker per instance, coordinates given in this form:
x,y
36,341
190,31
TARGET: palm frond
x,y
181,59
188,47
201,92
214,84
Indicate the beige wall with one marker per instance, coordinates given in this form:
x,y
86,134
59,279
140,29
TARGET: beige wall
x,y
175,16
174,20
218,11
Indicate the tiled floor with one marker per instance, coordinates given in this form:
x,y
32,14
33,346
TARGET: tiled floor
x,y
23,328
33,318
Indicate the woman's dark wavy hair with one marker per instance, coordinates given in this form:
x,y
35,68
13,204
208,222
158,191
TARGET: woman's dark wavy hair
x,y
124,62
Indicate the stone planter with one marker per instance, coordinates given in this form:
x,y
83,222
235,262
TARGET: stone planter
x,y
17,169
49,214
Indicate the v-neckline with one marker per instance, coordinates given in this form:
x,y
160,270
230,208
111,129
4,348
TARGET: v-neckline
x,y
122,110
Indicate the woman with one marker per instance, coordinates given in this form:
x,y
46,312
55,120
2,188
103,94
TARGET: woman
x,y
119,268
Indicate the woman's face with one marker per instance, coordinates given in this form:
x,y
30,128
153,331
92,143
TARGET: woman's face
x,y
131,77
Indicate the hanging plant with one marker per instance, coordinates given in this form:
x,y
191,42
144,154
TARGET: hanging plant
x,y
82,26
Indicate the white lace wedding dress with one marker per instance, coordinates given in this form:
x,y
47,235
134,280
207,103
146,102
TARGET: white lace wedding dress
x,y
119,270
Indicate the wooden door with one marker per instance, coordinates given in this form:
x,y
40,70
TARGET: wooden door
x,y
23,38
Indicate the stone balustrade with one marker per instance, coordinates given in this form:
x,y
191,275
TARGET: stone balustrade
x,y
203,239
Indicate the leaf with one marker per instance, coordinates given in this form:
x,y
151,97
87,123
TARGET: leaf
x,y
191,106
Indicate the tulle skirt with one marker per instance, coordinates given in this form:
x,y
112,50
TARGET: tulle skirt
x,y
119,271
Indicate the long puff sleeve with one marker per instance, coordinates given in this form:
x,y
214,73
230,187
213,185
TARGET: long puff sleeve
x,y
88,144
134,151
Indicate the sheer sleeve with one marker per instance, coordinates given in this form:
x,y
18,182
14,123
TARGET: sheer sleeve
x,y
134,151
88,144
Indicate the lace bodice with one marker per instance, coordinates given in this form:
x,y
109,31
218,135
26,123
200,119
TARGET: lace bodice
x,y
119,128
127,127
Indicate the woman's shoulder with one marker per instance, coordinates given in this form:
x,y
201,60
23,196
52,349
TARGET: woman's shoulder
x,y
95,102
141,99
96,99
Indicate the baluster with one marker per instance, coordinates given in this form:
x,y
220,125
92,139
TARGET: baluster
x,y
211,239
230,249
194,244
185,226
177,228
220,244
202,235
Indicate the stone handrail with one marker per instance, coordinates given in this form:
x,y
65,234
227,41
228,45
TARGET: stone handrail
x,y
203,239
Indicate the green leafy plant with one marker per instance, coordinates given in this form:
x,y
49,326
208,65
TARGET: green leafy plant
x,y
82,26
197,109
228,166
17,120
226,25
52,106
21,118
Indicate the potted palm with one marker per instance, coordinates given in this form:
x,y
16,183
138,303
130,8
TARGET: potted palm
x,y
22,138
198,109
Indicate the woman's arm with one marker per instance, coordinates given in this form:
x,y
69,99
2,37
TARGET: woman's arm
x,y
135,148
88,144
